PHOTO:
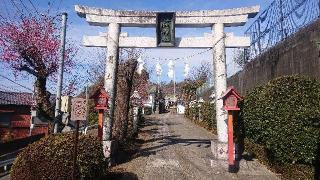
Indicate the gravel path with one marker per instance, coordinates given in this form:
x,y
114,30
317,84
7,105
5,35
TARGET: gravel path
x,y
175,148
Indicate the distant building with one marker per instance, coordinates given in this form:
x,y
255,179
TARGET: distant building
x,y
180,109
15,116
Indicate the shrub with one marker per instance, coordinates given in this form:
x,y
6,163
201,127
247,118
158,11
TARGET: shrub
x,y
287,171
93,113
207,111
208,114
284,116
52,158
194,112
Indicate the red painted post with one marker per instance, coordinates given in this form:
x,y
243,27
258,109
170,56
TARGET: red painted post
x,y
101,104
100,124
231,159
230,104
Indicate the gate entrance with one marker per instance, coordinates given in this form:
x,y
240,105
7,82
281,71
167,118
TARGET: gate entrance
x,y
165,24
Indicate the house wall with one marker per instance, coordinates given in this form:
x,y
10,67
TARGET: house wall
x,y
19,123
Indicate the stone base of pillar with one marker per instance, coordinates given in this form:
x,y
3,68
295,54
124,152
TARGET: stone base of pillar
x,y
219,164
220,157
110,148
219,149
222,165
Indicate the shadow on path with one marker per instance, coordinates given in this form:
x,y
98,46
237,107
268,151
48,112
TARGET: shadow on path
x,y
122,175
161,142
172,140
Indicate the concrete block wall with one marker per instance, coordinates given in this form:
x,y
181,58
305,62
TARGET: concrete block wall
x,y
298,54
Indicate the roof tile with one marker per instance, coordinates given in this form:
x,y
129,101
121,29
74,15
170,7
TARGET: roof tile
x,y
15,98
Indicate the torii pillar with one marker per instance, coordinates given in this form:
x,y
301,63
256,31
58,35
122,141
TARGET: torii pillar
x,y
110,84
220,77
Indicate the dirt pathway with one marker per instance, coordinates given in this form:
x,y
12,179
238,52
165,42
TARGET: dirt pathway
x,y
175,148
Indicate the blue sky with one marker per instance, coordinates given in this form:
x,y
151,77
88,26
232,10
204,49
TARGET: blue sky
x,y
77,27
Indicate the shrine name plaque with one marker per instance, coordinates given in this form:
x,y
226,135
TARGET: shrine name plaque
x,y
78,109
165,29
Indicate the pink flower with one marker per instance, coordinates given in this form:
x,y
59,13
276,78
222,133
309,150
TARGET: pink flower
x,y
33,42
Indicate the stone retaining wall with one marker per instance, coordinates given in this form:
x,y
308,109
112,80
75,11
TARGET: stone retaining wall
x,y
298,54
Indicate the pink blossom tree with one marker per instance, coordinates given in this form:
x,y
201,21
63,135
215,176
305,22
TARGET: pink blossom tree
x,y
32,45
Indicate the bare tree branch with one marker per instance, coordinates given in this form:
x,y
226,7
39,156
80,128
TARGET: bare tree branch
x,y
28,70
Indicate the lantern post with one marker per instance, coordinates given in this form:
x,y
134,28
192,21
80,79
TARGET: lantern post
x,y
136,101
200,101
230,103
101,104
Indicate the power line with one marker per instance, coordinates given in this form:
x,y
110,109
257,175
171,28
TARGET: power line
x,y
58,7
4,20
15,82
34,7
6,9
14,4
178,58
185,57
10,88
25,6
189,56
6,89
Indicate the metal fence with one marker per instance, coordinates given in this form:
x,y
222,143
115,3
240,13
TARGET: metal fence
x,y
280,20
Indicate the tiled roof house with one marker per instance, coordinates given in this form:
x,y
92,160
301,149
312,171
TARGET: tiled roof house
x,y
15,116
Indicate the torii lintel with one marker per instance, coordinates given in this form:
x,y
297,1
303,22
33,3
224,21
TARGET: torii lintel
x,y
202,18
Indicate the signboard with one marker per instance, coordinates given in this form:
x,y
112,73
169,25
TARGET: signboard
x,y
78,109
231,101
165,29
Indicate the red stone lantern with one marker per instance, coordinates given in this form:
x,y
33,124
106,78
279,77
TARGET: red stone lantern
x,y
230,99
230,103
101,99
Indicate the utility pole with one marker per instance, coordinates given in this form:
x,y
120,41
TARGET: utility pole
x,y
87,107
61,67
174,83
158,72
172,74
87,99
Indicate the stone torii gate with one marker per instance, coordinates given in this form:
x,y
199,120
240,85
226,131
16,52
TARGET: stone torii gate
x,y
218,40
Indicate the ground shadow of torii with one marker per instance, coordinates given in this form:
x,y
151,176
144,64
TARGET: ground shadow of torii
x,y
166,141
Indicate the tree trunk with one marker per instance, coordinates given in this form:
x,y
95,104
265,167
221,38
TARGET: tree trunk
x,y
130,75
124,88
42,97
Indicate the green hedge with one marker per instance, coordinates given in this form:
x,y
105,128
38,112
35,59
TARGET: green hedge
x,y
52,158
287,171
207,111
193,112
284,116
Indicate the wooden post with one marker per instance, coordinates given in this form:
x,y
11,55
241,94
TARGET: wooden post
x,y
230,103
100,124
75,151
231,160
